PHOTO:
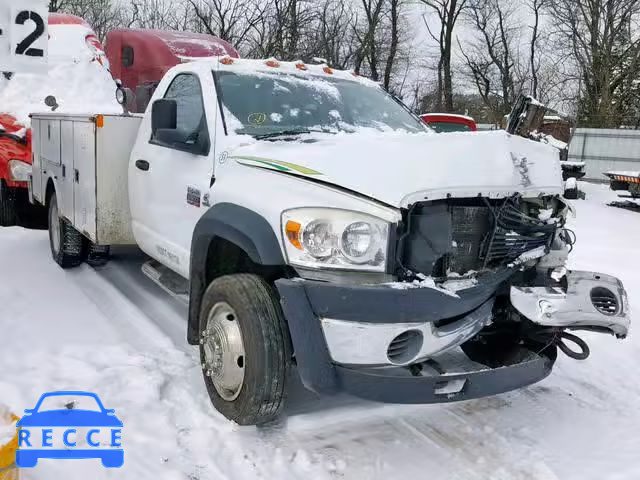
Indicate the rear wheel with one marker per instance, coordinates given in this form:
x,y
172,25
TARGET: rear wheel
x,y
7,206
67,244
244,349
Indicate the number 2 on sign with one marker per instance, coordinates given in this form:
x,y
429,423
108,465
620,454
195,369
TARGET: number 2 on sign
x,y
24,47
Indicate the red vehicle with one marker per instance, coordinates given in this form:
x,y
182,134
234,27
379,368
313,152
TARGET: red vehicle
x,y
449,122
139,58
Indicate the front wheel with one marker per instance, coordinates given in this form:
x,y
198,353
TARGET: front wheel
x,y
244,349
67,244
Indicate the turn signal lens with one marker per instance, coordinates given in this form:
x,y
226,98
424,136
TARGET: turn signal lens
x,y
99,121
293,230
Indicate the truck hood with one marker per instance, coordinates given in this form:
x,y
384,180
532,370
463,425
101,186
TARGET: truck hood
x,y
400,169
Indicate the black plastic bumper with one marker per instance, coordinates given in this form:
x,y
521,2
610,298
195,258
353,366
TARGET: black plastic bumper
x,y
305,302
382,386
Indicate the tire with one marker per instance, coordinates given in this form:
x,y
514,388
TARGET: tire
x,y
256,313
7,206
98,255
67,244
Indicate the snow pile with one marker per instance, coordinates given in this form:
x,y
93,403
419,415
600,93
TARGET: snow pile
x,y
80,83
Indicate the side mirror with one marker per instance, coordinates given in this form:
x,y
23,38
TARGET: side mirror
x,y
51,102
164,115
126,98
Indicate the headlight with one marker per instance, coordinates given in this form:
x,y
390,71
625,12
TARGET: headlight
x,y
19,171
327,238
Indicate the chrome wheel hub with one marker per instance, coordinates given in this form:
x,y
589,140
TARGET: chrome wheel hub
x,y
224,355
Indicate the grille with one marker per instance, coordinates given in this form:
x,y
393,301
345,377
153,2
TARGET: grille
x,y
405,346
470,235
605,301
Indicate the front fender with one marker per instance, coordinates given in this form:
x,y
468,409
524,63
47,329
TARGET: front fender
x,y
240,226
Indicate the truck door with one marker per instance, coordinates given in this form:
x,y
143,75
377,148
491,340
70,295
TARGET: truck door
x,y
169,179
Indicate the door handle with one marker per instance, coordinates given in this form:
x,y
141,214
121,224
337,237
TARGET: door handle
x,y
142,165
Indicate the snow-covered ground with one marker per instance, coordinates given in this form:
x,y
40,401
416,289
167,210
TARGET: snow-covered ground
x,y
113,332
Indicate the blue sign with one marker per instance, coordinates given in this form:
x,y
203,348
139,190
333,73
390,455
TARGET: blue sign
x,y
33,445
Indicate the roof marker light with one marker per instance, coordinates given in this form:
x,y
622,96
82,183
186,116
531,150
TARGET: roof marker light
x,y
301,66
272,63
226,61
328,70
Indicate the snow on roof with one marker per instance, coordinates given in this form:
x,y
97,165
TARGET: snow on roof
x,y
623,173
188,44
272,65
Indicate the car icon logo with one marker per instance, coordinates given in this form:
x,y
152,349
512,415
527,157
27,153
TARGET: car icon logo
x,y
103,437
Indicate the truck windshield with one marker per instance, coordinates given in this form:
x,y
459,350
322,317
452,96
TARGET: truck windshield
x,y
265,104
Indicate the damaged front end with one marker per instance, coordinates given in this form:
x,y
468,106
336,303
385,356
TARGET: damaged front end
x,y
481,304
464,244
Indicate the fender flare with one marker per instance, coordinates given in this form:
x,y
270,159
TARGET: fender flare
x,y
240,226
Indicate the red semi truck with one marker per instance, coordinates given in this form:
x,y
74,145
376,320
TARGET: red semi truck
x,y
81,76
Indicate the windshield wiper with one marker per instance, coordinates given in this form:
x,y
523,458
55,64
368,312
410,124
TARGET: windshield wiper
x,y
282,133
291,132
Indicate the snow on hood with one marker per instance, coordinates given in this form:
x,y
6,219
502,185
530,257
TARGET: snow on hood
x,y
400,169
76,78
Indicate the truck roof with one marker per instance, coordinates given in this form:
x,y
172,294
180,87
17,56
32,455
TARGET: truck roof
x,y
272,65
184,45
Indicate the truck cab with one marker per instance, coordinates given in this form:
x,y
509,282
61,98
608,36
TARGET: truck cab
x,y
140,58
315,225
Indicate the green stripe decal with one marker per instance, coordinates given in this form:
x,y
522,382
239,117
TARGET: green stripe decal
x,y
274,164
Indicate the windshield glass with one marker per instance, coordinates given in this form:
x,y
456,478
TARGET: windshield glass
x,y
263,104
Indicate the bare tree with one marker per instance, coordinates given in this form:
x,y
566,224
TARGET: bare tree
x,y
394,21
448,12
335,39
603,40
56,5
230,20
368,46
537,7
102,15
493,58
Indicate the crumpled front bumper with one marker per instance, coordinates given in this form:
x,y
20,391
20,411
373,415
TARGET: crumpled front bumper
x,y
341,336
592,301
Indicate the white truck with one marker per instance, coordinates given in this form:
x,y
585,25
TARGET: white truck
x,y
313,223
